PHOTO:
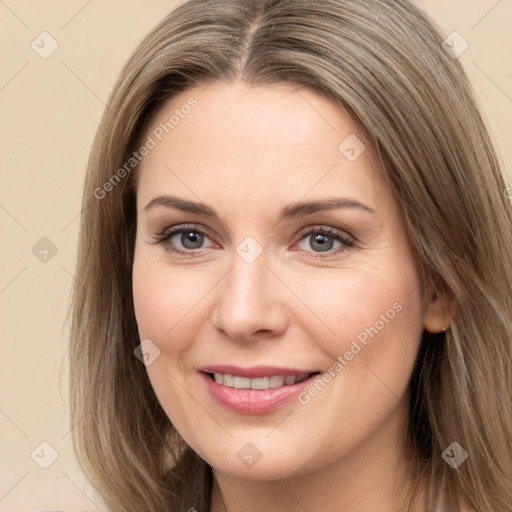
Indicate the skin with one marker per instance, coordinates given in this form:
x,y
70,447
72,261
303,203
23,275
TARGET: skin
x,y
247,152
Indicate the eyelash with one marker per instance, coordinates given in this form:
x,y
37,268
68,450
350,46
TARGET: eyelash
x,y
162,237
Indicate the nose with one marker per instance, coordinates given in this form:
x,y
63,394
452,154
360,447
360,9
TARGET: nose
x,y
250,302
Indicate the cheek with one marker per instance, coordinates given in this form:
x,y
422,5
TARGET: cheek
x,y
348,304
165,301
371,317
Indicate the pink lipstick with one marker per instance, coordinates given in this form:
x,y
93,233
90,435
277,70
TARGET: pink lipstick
x,y
255,390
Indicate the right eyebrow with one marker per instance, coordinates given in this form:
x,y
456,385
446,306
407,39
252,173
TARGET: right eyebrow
x,y
182,204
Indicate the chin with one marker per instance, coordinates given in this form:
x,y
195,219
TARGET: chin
x,y
267,464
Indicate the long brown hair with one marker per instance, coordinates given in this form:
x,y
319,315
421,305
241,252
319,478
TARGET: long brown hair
x,y
384,64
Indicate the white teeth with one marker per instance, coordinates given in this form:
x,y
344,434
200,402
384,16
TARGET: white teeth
x,y
273,382
276,382
228,380
261,383
242,383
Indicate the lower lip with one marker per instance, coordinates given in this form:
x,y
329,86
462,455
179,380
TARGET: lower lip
x,y
253,401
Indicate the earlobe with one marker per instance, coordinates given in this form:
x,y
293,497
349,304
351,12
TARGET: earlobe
x,y
439,312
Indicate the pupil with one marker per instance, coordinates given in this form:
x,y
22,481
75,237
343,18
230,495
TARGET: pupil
x,y
191,240
324,242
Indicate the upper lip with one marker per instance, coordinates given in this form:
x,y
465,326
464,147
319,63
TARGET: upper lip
x,y
255,372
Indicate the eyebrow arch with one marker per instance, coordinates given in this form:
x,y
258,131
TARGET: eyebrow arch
x,y
294,210
330,203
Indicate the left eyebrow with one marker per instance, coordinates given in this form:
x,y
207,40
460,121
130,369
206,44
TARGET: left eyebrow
x,y
331,203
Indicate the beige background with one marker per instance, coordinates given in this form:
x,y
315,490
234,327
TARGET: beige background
x,y
50,109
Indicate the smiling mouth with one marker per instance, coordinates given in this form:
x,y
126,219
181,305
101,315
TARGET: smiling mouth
x,y
259,383
257,390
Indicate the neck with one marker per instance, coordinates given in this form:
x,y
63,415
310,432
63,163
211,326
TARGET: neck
x,y
374,476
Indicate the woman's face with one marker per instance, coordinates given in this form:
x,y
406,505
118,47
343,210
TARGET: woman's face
x,y
293,264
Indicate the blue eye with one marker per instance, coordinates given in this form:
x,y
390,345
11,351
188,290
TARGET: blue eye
x,y
323,240
190,238
187,239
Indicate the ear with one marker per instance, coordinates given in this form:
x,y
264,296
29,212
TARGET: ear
x,y
439,310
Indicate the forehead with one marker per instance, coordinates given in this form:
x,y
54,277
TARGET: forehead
x,y
286,112
266,141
